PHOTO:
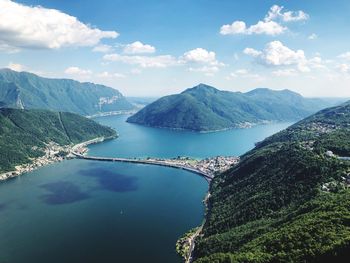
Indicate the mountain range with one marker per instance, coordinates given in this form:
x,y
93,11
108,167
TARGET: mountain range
x,y
205,108
28,91
287,200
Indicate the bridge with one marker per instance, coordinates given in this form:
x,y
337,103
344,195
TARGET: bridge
x,y
208,177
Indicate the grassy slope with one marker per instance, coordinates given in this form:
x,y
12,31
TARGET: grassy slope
x,y
270,208
21,130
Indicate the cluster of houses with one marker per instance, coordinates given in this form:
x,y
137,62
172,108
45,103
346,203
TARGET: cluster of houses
x,y
52,153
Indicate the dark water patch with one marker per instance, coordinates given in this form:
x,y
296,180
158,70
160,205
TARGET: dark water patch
x,y
3,206
112,181
62,192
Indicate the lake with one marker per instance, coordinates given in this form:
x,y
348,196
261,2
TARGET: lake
x,y
86,211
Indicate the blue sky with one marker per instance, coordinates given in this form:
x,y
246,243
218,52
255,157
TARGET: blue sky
x,y
154,48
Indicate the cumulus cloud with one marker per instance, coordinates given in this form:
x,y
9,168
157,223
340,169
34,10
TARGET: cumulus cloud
x,y
143,61
138,48
102,48
198,60
76,71
201,55
252,52
268,26
277,54
24,26
262,27
276,12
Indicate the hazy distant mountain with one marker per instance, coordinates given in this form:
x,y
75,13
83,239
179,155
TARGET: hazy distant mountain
x,y
205,108
29,91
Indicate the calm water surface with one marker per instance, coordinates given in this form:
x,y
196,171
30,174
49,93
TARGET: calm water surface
x,y
85,211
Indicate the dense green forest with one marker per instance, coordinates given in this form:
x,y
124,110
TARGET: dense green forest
x,y
23,133
204,108
29,91
288,200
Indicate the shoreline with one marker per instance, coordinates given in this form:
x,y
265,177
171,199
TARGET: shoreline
x,y
191,238
111,113
52,155
247,125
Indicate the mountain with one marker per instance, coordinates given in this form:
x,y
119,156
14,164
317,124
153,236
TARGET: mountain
x,y
205,108
24,134
288,200
29,91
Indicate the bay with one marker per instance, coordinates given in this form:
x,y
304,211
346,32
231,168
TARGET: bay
x,y
85,211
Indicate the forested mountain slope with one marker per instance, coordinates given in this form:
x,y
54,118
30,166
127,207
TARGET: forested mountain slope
x,y
288,200
29,91
205,108
25,133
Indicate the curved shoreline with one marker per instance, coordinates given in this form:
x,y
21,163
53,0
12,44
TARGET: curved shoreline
x,y
48,159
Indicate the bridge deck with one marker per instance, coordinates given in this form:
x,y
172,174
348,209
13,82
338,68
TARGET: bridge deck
x,y
208,177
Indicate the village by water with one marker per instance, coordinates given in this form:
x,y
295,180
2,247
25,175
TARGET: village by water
x,y
88,211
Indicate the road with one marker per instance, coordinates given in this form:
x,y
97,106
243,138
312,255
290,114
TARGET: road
x,y
208,177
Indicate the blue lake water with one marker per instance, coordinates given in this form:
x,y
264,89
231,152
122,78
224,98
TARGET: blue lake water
x,y
85,211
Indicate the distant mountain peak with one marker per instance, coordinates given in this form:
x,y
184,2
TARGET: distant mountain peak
x,y
201,87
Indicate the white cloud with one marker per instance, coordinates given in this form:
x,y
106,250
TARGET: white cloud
x,y
76,71
201,56
138,48
313,36
275,12
344,68
143,61
268,26
24,26
237,27
15,66
252,52
102,48
262,27
107,74
276,54
345,55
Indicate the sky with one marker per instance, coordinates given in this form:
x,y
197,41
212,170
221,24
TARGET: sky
x,y
160,47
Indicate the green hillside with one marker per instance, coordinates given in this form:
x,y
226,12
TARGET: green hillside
x,y
24,133
29,91
287,200
204,108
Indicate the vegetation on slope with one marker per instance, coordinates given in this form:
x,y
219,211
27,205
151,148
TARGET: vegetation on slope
x,y
287,200
204,108
29,91
24,133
